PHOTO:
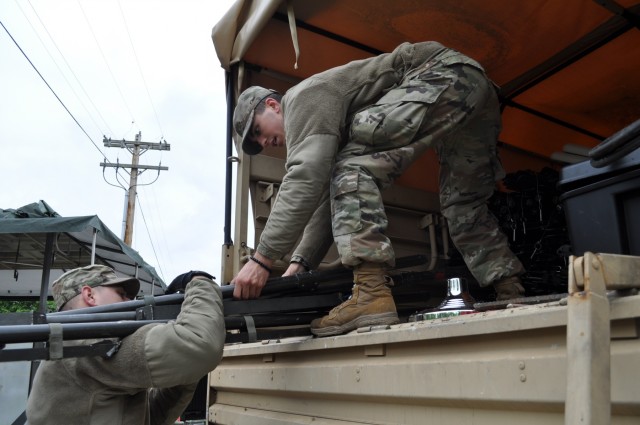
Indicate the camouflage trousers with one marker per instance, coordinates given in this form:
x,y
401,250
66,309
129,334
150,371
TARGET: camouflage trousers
x,y
447,104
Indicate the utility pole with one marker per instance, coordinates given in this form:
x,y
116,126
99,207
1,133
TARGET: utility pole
x,y
136,148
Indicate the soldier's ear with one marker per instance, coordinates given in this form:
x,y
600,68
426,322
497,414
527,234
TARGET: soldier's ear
x,y
272,103
87,294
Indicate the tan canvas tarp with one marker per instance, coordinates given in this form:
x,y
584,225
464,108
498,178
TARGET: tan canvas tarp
x,y
568,69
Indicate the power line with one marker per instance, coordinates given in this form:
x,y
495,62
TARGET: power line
x,y
149,236
68,66
72,115
53,92
163,247
51,89
137,148
144,81
106,62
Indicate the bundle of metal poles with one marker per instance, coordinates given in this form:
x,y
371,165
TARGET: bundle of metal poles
x,y
291,301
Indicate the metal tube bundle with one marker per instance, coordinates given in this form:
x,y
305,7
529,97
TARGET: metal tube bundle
x,y
291,301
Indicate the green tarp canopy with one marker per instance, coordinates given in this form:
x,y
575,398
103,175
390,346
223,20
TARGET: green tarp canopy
x,y
76,242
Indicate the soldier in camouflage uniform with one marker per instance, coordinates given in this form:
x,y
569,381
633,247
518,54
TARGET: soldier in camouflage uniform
x,y
388,111
149,377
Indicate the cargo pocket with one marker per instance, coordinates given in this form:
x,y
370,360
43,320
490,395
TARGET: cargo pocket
x,y
345,204
401,113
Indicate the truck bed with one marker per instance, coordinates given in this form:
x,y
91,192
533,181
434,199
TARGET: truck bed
x,y
546,363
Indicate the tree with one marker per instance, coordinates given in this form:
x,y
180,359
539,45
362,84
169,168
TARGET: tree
x,y
24,306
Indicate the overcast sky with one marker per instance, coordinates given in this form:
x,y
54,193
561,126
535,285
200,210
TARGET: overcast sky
x,y
120,67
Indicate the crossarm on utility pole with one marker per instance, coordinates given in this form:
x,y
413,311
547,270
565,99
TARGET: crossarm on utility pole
x,y
136,147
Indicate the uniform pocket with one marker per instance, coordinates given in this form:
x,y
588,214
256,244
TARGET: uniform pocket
x,y
345,203
395,120
452,57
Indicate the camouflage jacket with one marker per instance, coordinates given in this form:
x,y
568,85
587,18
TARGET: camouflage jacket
x,y
316,116
150,380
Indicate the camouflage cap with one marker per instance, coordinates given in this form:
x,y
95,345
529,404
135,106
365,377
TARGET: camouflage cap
x,y
70,284
243,116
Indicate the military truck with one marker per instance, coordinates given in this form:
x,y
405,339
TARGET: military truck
x,y
567,352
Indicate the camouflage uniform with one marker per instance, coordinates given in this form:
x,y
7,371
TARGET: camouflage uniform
x,y
447,104
148,378
377,116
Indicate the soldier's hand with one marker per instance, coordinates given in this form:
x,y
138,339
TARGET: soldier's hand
x,y
180,282
294,268
249,281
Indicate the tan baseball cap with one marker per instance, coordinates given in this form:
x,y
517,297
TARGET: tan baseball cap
x,y
243,116
70,284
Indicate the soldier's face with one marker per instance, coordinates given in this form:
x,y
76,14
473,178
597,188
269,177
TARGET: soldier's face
x,y
268,127
104,295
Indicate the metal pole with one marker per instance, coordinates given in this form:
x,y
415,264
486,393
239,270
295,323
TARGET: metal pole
x,y
588,385
122,306
228,165
70,331
46,272
44,291
93,246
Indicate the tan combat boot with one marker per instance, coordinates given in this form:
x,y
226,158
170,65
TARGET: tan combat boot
x,y
370,304
508,288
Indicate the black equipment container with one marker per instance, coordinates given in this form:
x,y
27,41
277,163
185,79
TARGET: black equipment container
x,y
602,206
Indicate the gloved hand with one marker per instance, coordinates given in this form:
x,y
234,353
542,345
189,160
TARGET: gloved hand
x,y
180,282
